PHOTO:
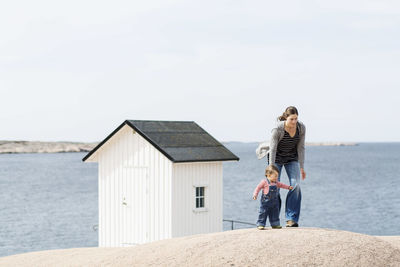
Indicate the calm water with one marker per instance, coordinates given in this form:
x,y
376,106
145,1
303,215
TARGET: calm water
x,y
49,201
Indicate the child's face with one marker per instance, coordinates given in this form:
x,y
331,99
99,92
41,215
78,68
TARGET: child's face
x,y
273,177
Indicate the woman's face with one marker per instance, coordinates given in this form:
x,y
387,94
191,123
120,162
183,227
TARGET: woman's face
x,y
291,121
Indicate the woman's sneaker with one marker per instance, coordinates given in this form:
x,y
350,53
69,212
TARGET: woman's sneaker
x,y
260,227
291,223
276,227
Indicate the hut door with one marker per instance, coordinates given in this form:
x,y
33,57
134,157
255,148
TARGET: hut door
x,y
135,206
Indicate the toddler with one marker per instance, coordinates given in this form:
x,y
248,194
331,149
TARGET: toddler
x,y
269,203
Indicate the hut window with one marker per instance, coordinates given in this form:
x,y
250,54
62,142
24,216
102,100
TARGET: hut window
x,y
200,197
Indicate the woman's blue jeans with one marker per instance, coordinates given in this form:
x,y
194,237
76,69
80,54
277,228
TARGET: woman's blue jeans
x,y
293,198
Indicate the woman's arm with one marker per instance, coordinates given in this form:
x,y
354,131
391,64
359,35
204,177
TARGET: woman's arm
x,y
273,146
300,147
301,151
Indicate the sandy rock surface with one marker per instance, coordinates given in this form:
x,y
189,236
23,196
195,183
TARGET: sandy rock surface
x,y
394,240
248,247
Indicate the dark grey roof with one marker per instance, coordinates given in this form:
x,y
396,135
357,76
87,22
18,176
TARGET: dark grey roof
x,y
180,141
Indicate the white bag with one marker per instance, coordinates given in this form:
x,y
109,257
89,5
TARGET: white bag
x,y
262,149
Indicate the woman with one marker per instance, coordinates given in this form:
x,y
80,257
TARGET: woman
x,y
287,150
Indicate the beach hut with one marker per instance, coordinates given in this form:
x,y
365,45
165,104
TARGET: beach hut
x,y
158,180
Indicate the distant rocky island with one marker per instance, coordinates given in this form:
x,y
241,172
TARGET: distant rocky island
x,y
332,144
307,143
11,147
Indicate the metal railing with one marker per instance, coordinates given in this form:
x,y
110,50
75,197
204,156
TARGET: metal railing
x,y
233,221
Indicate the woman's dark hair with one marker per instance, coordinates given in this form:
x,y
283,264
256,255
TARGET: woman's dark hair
x,y
270,169
289,111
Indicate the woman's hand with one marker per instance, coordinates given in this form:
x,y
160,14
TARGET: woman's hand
x,y
254,198
303,174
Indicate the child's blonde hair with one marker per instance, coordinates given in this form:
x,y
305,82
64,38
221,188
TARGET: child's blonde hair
x,y
270,169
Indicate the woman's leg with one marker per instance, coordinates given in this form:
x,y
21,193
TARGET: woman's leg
x,y
293,198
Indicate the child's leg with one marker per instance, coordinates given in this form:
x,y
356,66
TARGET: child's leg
x,y
273,212
262,215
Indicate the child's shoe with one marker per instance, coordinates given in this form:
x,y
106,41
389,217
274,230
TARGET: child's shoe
x,y
276,227
260,227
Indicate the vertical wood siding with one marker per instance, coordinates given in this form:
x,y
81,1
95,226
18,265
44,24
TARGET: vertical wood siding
x,y
185,219
134,191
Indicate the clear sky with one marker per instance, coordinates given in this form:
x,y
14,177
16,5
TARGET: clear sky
x,y
75,70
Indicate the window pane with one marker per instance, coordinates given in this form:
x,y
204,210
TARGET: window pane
x,y
199,191
200,197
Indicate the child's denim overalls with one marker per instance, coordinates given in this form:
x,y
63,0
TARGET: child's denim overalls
x,y
269,207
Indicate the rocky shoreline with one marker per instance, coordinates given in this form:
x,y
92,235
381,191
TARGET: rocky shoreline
x,y
13,147
332,144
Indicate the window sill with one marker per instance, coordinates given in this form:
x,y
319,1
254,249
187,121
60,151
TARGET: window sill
x,y
199,210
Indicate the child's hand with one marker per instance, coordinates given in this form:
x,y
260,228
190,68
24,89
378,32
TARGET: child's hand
x,y
290,187
254,198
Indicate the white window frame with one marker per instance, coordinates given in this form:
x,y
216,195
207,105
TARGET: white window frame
x,y
205,202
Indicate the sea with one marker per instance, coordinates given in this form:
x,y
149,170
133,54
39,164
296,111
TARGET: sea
x,y
50,201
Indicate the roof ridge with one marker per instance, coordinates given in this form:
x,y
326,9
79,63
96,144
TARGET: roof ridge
x,y
219,145
161,121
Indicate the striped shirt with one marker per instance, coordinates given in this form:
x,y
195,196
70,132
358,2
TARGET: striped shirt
x,y
277,134
287,148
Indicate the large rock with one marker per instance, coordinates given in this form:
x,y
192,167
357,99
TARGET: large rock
x,y
249,247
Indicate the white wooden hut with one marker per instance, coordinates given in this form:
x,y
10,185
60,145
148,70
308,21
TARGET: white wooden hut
x,y
158,180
